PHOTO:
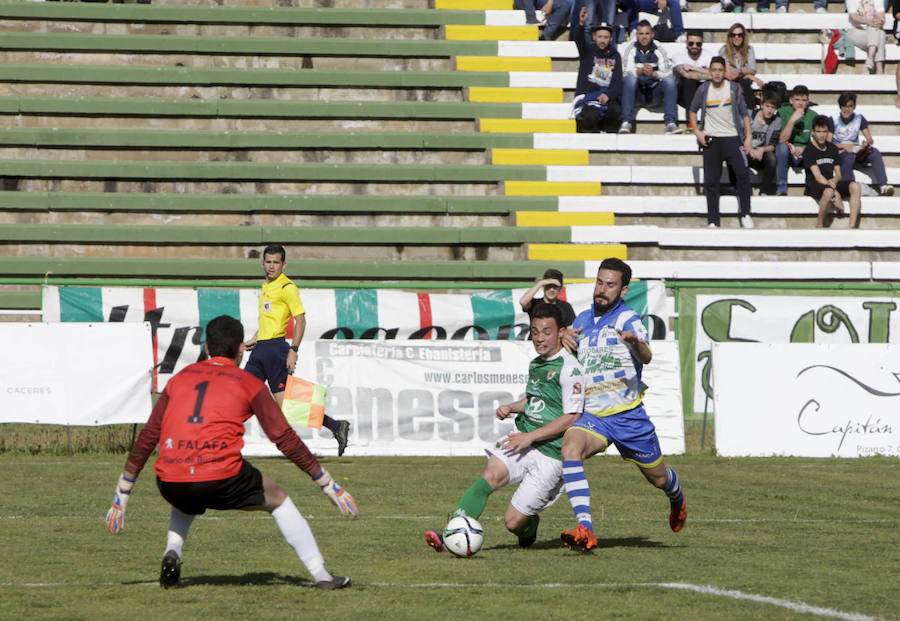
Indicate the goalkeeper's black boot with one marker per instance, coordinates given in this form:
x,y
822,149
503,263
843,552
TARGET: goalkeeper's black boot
x,y
336,582
171,570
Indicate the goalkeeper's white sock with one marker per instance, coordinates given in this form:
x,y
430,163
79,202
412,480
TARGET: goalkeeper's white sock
x,y
179,525
298,534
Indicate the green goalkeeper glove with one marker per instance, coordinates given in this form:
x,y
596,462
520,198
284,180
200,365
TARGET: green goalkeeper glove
x,y
338,494
115,517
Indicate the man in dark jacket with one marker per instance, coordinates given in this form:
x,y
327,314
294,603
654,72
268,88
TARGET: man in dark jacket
x,y
598,92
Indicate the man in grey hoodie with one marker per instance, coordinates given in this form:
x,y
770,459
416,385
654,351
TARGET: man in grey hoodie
x,y
724,135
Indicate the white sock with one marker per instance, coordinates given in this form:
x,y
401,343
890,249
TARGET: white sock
x,y
179,525
297,533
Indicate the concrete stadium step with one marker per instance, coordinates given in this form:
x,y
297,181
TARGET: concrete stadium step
x,y
278,205
309,269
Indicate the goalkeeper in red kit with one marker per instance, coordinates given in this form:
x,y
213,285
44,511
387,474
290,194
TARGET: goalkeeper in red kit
x,y
198,423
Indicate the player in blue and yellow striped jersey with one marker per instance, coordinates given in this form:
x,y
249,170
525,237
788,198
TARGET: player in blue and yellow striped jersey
x,y
613,347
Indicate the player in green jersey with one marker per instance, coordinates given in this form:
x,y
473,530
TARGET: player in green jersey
x,y
531,456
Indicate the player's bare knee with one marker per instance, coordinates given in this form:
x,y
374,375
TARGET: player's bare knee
x,y
513,520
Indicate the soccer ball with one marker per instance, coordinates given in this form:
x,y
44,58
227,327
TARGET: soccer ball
x,y
463,536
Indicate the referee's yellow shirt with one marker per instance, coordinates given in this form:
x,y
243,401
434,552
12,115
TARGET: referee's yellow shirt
x,y
279,300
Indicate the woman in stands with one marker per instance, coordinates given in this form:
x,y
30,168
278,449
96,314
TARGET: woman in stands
x,y
866,30
741,62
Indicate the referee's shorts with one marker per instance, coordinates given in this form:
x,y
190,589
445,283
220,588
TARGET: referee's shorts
x,y
268,362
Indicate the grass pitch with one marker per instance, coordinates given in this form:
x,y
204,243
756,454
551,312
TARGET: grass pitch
x,y
765,539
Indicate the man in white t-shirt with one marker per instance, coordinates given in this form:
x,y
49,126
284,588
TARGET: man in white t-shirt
x,y
724,135
691,67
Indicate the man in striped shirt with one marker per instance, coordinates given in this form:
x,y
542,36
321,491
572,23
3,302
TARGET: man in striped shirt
x,y
613,347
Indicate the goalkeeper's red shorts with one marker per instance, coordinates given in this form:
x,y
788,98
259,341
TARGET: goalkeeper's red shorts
x,y
244,489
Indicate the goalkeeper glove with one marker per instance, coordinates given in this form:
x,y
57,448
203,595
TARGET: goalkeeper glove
x,y
115,517
338,494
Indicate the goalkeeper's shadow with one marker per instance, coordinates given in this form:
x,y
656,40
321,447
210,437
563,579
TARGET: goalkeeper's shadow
x,y
266,578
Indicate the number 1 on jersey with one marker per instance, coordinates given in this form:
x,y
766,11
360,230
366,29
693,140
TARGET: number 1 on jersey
x,y
198,405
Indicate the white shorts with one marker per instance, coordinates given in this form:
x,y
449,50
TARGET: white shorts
x,y
539,477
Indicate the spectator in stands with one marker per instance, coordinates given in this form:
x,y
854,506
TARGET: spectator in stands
x,y
796,124
741,59
823,175
551,282
633,8
866,30
648,80
598,92
848,125
554,14
691,67
724,134
765,126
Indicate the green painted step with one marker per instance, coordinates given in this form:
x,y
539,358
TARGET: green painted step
x,y
236,15
219,76
314,269
233,171
265,46
257,108
144,139
269,203
258,235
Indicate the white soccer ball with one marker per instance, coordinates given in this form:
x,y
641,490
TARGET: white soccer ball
x,y
463,536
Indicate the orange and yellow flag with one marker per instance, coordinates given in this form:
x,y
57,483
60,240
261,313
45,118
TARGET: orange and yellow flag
x,y
304,403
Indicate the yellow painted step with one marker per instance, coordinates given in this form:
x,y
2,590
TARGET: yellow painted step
x,y
515,94
491,33
474,5
527,126
540,157
502,63
552,188
576,252
564,218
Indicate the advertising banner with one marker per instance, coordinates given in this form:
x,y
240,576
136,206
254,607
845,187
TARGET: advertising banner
x,y
760,315
809,400
440,398
75,374
178,317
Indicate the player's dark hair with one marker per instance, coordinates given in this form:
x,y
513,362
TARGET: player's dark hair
x,y
846,97
644,22
800,89
224,335
718,59
547,310
275,249
555,274
694,33
821,121
772,100
617,265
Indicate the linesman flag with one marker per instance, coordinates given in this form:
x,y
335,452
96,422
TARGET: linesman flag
x,y
304,403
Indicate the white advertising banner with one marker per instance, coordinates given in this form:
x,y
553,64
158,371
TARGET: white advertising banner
x,y
76,373
179,316
440,397
807,400
773,316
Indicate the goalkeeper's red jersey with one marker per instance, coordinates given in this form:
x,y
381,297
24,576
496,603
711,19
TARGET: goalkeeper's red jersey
x,y
198,423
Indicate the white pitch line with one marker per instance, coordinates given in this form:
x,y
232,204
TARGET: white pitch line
x,y
704,589
800,607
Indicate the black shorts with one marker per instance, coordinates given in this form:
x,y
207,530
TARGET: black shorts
x,y
268,362
245,489
816,189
